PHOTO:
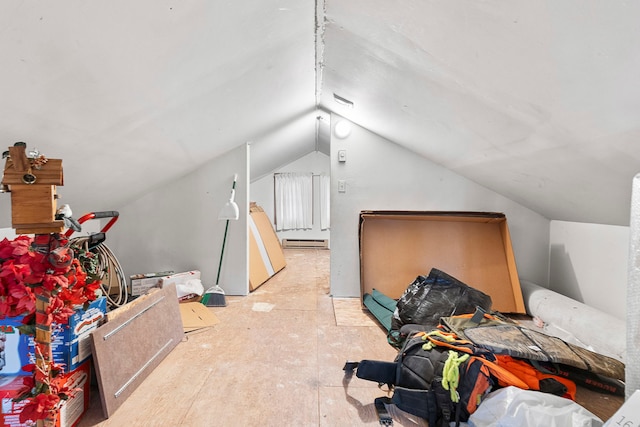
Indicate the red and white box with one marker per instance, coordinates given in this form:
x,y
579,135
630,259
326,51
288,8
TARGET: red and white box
x,y
70,412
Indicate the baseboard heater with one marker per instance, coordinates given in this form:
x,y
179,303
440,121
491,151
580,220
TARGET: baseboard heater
x,y
305,243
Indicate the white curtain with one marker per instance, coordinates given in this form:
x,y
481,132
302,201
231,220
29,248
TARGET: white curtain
x,y
294,201
325,202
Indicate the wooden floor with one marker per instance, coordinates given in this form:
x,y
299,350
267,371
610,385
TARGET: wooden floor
x,y
275,359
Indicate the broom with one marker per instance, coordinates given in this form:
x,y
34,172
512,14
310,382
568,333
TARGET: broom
x,y
214,296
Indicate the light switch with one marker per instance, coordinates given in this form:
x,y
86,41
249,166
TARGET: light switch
x,y
342,186
342,155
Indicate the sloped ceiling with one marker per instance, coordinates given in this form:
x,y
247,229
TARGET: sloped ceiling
x,y
132,94
538,101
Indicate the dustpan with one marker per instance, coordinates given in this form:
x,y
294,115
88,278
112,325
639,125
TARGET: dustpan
x,y
214,296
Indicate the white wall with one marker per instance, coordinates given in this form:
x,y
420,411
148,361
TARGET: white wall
x,y
8,233
632,371
5,210
176,227
261,192
588,262
382,175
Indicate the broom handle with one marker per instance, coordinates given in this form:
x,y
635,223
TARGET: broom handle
x,y
224,240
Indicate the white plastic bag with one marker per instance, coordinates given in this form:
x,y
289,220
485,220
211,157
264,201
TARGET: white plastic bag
x,y
190,287
515,407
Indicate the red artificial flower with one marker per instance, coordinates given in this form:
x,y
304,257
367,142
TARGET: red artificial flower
x,y
13,271
39,407
28,382
16,300
34,278
58,274
14,248
30,367
29,318
63,390
6,249
73,296
52,282
40,376
26,391
21,246
56,369
57,311
24,300
90,290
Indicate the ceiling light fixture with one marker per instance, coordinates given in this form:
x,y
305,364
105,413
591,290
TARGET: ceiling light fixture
x,y
342,101
342,129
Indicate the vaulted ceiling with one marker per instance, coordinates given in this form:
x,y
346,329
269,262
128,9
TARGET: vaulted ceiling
x,y
538,101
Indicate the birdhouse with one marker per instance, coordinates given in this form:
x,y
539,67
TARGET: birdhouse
x,y
32,181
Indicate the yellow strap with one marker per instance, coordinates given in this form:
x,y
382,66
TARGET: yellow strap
x,y
437,333
428,345
451,373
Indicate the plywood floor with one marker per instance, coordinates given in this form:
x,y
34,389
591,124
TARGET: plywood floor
x,y
274,359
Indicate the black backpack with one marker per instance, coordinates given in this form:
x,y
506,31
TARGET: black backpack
x,y
416,378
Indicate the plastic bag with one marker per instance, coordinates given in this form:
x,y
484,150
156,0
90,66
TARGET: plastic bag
x,y
515,407
192,287
428,299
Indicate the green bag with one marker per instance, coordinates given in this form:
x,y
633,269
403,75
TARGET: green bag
x,y
381,306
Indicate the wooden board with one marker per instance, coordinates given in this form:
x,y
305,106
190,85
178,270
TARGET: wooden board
x,y
266,257
258,272
269,238
474,247
133,341
196,316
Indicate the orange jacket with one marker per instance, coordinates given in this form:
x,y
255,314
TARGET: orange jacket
x,y
531,376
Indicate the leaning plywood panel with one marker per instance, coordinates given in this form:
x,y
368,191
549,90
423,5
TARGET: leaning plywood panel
x,y
266,257
474,247
269,238
258,266
133,342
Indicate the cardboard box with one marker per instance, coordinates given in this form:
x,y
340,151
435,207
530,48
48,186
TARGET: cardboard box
x,y
10,415
70,343
70,412
266,257
184,290
141,283
474,247
14,354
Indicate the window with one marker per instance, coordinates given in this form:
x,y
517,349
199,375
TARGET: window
x,y
293,201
